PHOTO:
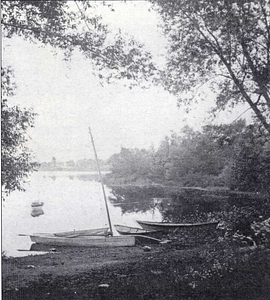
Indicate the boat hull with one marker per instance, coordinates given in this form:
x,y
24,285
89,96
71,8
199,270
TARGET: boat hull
x,y
83,241
146,240
169,227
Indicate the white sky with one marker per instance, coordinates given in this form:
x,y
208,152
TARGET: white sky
x,y
69,99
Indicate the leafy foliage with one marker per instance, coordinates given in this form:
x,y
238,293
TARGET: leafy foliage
x,y
16,161
222,45
72,25
130,165
200,158
234,155
251,169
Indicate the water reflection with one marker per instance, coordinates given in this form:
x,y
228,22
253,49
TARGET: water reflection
x,y
88,177
186,205
194,205
137,198
37,211
74,176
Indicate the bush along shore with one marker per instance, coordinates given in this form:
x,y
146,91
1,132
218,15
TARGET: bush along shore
x,y
223,267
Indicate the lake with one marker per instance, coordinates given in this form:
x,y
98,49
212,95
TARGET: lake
x,y
72,200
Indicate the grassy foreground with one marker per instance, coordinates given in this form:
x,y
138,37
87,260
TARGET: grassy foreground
x,y
163,272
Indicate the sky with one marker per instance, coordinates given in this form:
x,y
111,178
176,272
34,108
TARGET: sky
x,y
68,98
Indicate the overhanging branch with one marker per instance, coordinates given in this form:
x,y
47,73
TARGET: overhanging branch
x,y
54,34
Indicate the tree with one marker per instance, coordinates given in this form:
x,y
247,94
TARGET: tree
x,y
70,25
131,165
161,161
196,158
16,162
220,44
251,168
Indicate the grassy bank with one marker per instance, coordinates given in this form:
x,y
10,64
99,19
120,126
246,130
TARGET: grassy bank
x,y
169,271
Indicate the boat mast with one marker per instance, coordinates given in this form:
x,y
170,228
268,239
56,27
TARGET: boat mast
x,y
104,194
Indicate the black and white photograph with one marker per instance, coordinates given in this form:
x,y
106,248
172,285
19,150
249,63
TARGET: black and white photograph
x,y
135,150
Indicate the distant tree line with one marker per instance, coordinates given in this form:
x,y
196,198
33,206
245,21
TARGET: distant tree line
x,y
71,165
235,156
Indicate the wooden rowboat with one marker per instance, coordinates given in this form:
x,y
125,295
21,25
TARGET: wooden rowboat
x,y
168,227
127,230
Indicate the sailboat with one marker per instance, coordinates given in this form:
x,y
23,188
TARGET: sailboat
x,y
83,240
100,237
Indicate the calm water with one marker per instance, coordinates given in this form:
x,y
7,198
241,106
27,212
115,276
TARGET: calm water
x,y
71,201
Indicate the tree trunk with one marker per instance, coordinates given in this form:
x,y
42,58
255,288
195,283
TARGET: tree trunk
x,y
246,96
256,77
